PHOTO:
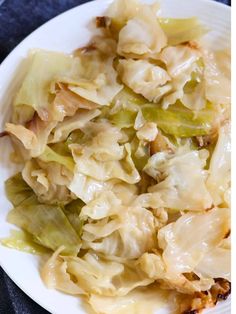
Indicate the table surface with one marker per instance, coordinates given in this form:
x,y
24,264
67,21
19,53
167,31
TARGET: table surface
x,y
31,14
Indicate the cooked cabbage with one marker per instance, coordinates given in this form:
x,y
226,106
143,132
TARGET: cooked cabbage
x,y
125,175
218,181
217,76
116,230
94,78
181,62
47,223
35,90
55,275
117,166
23,241
180,121
136,28
177,177
103,277
144,78
142,36
182,30
50,155
49,181
68,125
17,189
35,137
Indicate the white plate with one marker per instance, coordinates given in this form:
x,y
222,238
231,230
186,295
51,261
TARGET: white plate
x,y
67,32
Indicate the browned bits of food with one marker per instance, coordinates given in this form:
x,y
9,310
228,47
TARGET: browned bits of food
x,y
221,290
191,276
160,144
227,234
191,312
206,299
103,21
145,182
206,140
192,45
4,133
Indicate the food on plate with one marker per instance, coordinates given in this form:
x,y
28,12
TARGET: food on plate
x,y
125,154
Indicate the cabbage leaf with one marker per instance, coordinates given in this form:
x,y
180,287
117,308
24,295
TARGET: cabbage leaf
x,y
182,30
47,223
35,90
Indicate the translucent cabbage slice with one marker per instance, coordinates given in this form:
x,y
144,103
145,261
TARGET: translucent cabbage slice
x,y
180,121
72,212
23,241
17,189
50,155
124,118
182,30
47,223
34,94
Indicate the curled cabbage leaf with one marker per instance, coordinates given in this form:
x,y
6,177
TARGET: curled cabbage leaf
x,y
105,160
186,263
86,188
205,231
54,274
48,180
117,230
218,181
35,90
181,62
121,11
196,99
93,78
147,132
66,103
50,155
144,78
34,138
69,124
142,36
95,274
215,264
177,120
217,76
154,266
101,161
177,177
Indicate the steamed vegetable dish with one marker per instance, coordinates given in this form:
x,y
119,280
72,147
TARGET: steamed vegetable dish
x,y
125,154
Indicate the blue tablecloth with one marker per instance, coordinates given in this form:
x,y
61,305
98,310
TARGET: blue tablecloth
x,y
18,18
